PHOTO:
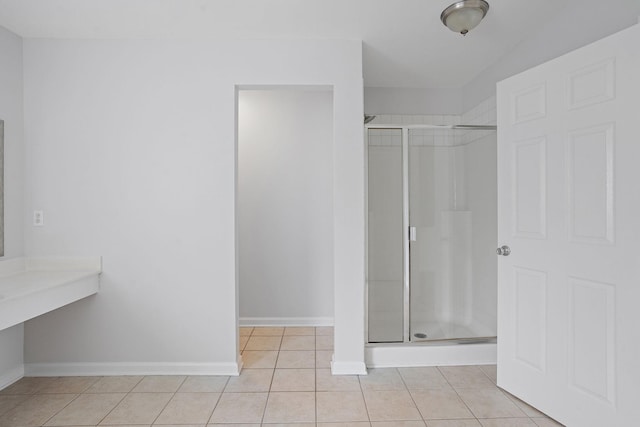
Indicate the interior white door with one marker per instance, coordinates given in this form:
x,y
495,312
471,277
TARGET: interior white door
x,y
569,208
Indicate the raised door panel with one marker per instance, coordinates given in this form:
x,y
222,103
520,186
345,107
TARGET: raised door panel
x,y
590,184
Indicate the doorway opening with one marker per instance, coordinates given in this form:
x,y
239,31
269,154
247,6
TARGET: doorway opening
x,y
284,206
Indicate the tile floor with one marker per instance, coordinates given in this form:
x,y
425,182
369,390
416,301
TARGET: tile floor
x,y
285,382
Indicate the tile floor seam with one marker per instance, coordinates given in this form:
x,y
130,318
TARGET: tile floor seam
x,y
366,407
217,401
142,377
116,405
162,410
465,404
213,409
411,396
61,409
459,397
273,374
170,399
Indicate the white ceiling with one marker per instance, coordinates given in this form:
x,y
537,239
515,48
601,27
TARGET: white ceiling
x,y
405,44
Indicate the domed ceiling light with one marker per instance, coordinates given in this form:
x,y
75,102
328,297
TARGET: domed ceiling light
x,y
463,16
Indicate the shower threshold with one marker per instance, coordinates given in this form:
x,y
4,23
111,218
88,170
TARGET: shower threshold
x,y
437,342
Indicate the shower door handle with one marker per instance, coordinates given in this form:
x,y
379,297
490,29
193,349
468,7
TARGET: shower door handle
x,y
413,234
503,250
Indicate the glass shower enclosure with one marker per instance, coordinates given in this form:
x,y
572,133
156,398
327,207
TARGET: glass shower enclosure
x,y
432,225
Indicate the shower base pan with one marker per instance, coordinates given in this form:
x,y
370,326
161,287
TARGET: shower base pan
x,y
472,351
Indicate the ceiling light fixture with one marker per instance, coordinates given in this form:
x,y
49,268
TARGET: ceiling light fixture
x,y
465,15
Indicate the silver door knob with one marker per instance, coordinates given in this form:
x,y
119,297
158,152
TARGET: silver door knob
x,y
503,250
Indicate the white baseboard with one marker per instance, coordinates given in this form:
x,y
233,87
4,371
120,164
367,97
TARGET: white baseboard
x,y
286,321
348,368
107,369
11,376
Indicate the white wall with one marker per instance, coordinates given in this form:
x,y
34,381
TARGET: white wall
x,y
410,101
285,207
131,154
11,340
576,24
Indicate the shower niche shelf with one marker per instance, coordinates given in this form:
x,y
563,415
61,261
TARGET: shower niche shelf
x,y
30,287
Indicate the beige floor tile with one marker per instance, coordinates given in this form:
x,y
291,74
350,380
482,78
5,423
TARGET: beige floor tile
x,y
397,424
68,384
324,342
327,382
138,408
263,343
245,331
298,342
466,377
86,410
175,425
426,378
382,379
282,407
36,410
323,358
8,402
489,403
296,359
240,408
204,384
298,330
289,425
267,331
116,384
324,330
233,425
391,406
454,423
354,424
250,380
159,384
294,380
507,422
242,343
189,408
440,404
131,425
26,385
546,422
529,410
491,371
340,406
252,359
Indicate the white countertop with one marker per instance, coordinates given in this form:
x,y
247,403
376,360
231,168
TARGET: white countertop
x,y
30,287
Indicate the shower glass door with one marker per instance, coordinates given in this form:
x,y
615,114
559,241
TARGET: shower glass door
x,y
385,238
432,227
452,214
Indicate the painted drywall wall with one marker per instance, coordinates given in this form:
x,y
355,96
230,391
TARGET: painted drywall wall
x,y
576,24
387,100
131,155
11,340
285,219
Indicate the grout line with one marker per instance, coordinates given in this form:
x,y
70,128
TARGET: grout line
x,y
169,401
215,406
459,397
366,407
411,395
123,397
